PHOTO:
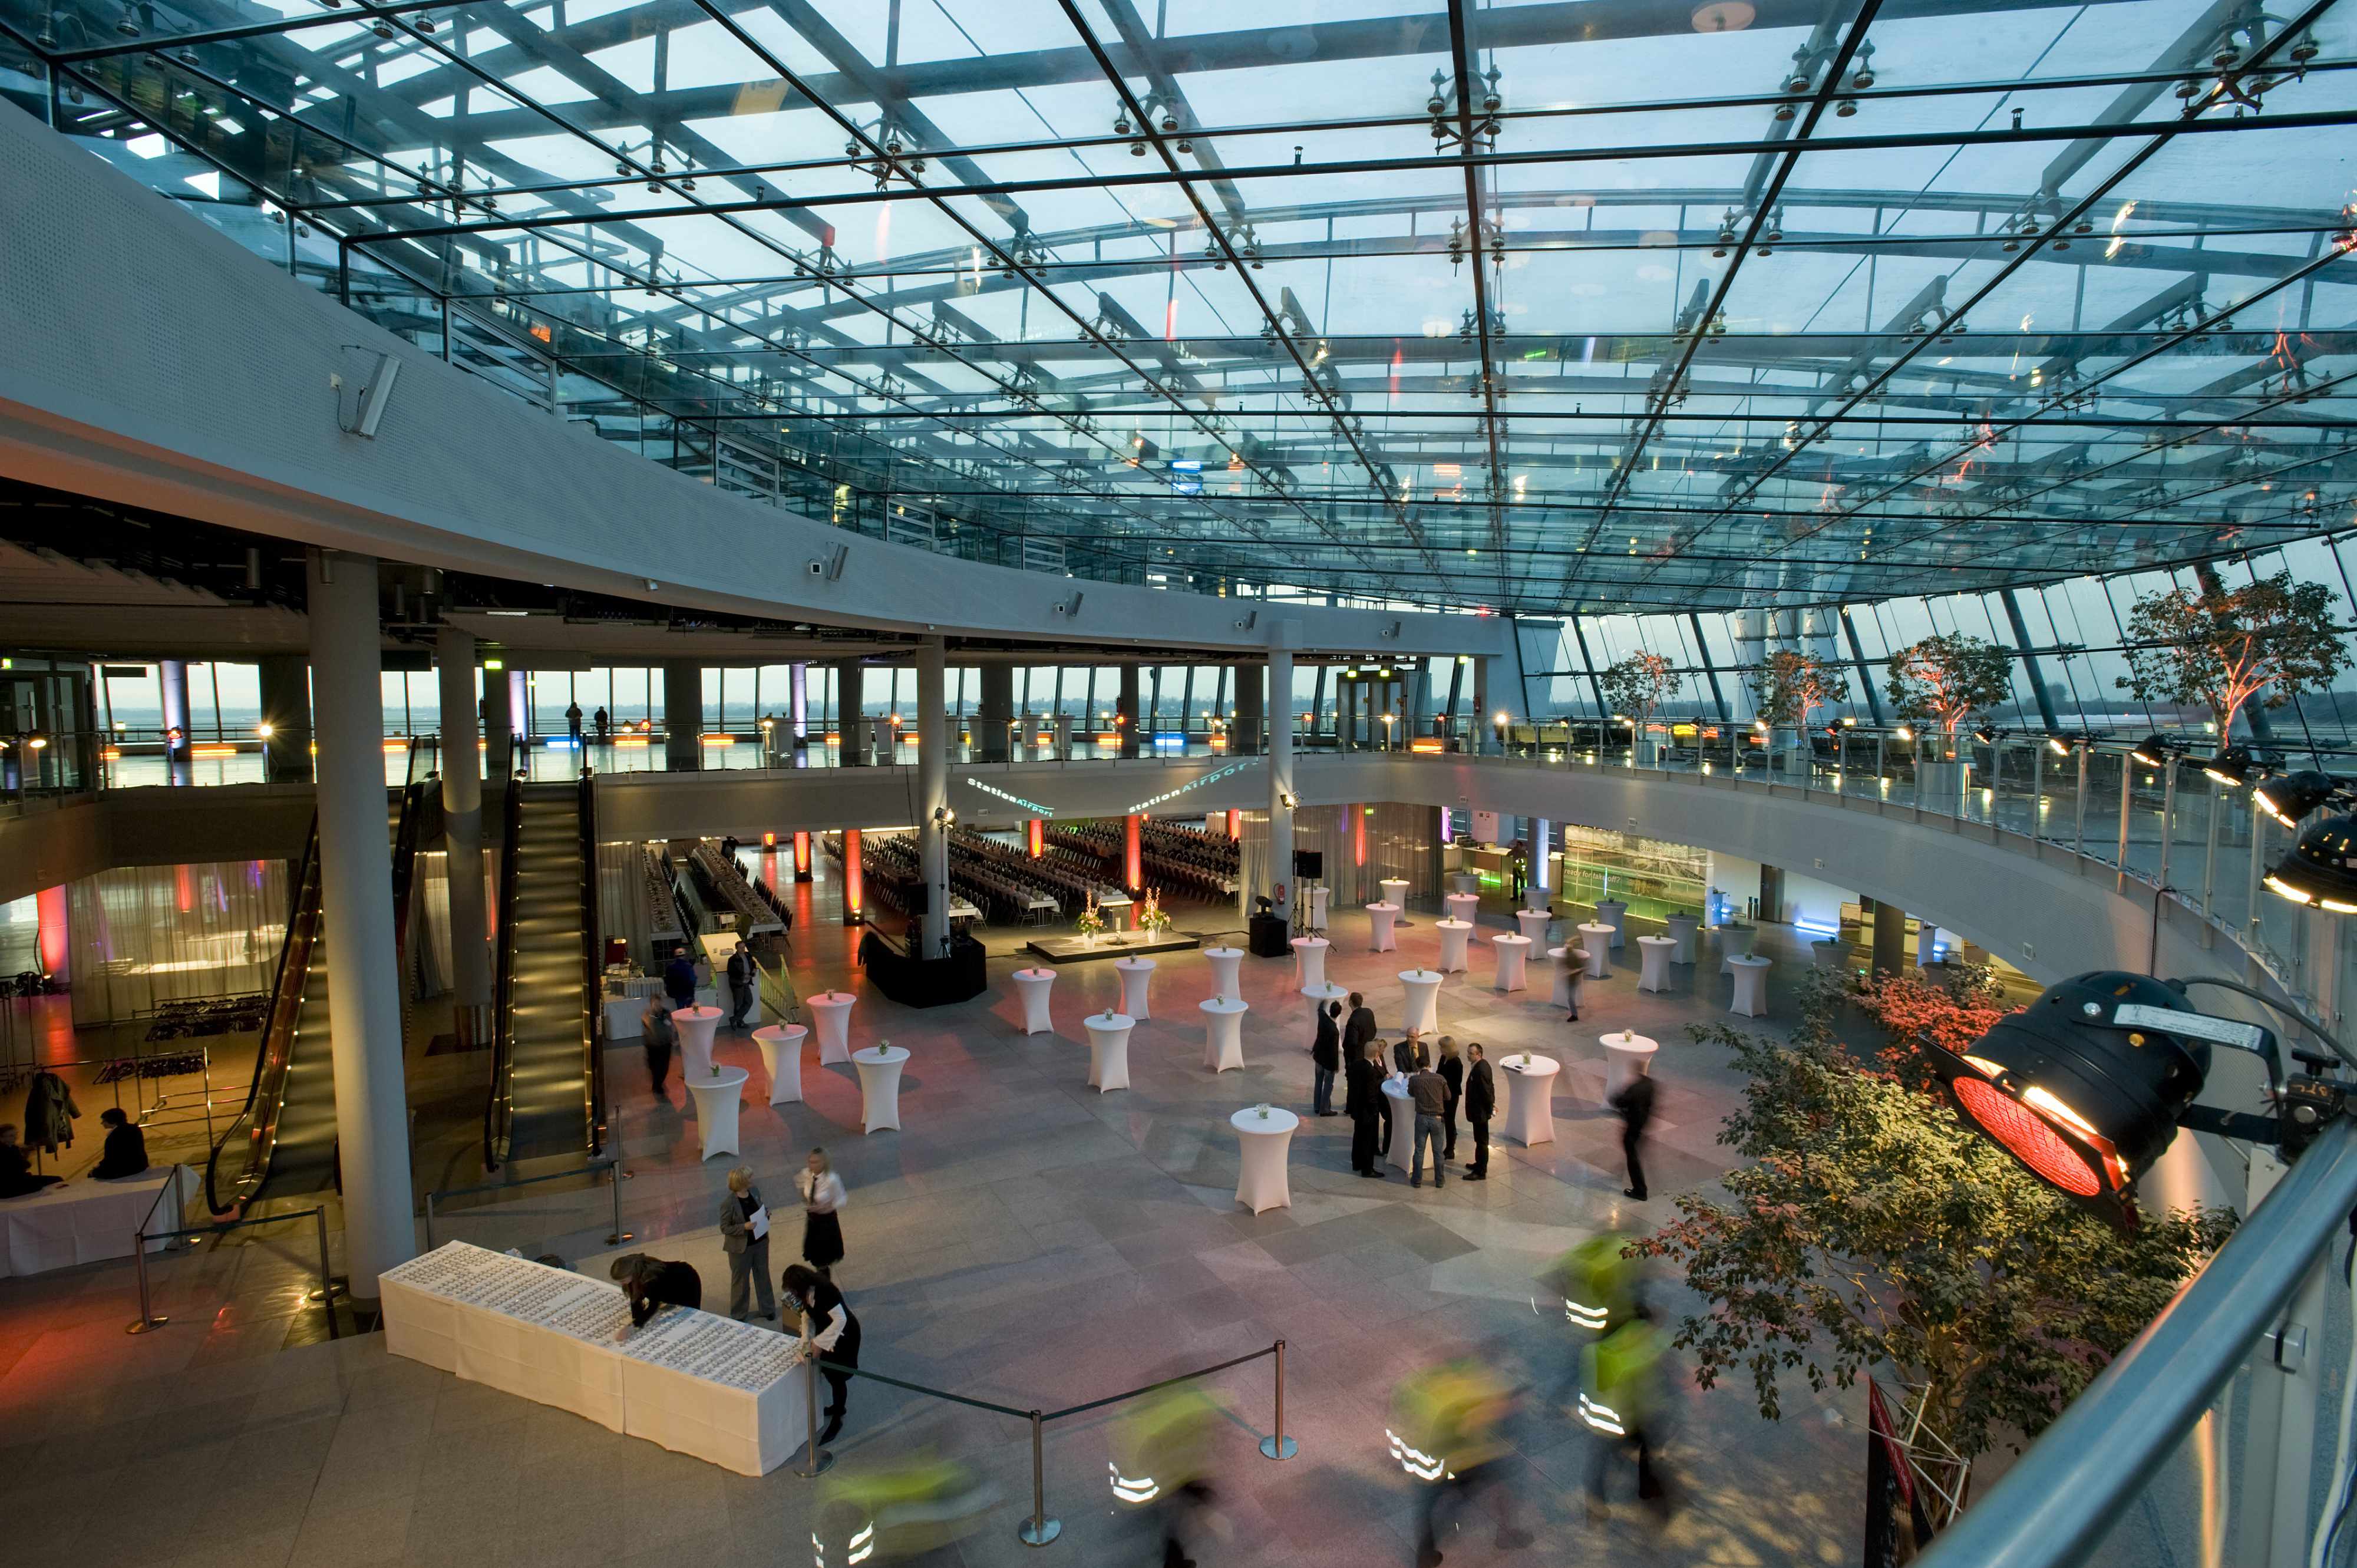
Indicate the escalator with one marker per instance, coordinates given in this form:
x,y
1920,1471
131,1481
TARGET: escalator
x,y
283,1140
547,1090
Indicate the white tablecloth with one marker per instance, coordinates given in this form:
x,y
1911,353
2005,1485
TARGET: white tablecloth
x,y
729,1393
696,1026
1734,941
1033,985
1423,987
1266,1140
1657,952
718,1096
879,1085
1529,1082
1136,976
1395,890
1403,1145
1751,986
1598,940
1626,1054
1510,953
1318,996
1614,913
1680,930
1223,1041
830,1017
1309,961
622,1018
1534,923
1378,926
1463,905
1224,961
1109,1050
85,1221
1453,936
1466,882
781,1053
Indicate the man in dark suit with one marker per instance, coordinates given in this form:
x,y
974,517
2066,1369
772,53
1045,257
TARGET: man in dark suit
x,y
1635,1104
126,1146
1326,1057
1480,1100
1357,1030
1362,1098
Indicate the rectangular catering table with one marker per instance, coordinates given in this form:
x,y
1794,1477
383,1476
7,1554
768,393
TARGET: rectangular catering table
x,y
725,1392
85,1219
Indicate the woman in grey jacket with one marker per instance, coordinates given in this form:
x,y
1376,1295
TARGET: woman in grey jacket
x,y
744,1236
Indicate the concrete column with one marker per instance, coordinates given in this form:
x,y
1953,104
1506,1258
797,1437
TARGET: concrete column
x,y
1280,782
1125,711
854,890
1243,730
995,732
798,713
683,703
851,726
356,910
520,712
933,793
462,818
285,681
498,725
1890,939
1542,874
172,679
1485,728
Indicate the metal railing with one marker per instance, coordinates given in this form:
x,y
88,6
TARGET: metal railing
x,y
265,1095
148,1320
593,968
499,1103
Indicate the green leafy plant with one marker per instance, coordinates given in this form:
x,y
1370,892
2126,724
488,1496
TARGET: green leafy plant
x,y
1637,687
1790,686
2265,642
1870,1231
1947,678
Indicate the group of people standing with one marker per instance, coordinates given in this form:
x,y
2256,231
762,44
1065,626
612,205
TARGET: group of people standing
x,y
1437,1091
657,1032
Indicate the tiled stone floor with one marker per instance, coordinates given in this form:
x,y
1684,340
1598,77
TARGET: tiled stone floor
x,y
1024,1240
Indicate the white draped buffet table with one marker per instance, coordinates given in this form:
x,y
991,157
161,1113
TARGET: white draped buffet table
x,y
729,1393
85,1219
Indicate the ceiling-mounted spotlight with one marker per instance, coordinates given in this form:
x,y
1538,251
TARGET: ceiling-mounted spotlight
x,y
2233,767
2321,868
2294,795
127,24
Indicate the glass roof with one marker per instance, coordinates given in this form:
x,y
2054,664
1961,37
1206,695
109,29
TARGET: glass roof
x,y
1570,306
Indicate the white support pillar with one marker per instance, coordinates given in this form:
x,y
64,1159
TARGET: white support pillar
x,y
1280,782
356,910
798,714
1541,876
933,794
1485,717
462,818
172,683
498,725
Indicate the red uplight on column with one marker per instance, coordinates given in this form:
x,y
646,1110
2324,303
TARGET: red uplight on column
x,y
802,857
1235,823
768,841
852,892
56,945
1133,856
1035,837
1358,835
185,895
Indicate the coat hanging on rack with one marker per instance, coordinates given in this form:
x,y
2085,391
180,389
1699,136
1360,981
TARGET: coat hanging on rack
x,y
50,1113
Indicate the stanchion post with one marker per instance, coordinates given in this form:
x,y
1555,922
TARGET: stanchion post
x,y
148,1322
614,1180
1038,1529
1277,1445
815,1459
327,1284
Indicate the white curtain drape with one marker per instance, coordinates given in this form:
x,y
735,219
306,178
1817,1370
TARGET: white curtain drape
x,y
147,934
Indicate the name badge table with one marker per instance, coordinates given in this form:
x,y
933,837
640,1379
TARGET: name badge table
x,y
725,1392
85,1221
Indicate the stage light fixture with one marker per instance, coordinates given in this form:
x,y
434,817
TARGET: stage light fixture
x,y
2294,795
2233,767
2153,751
2321,868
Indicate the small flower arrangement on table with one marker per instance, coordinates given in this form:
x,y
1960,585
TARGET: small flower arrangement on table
x,y
1152,918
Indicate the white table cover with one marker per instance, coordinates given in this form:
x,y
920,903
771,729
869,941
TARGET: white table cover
x,y
1378,926
1453,937
879,1086
1395,890
1656,953
1529,1082
696,1026
1309,961
830,1017
622,1018
1751,986
1734,942
1534,922
1033,985
1466,882
729,1393
1403,1143
1622,1054
781,1053
1225,963
1465,906
1223,1040
1599,943
1613,912
1136,976
718,1096
1318,896
1318,996
1570,966
86,1221
1510,953
1109,1050
1682,930
1266,1141
1423,988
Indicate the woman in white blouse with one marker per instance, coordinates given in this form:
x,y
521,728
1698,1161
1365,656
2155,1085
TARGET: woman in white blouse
x,y
822,1196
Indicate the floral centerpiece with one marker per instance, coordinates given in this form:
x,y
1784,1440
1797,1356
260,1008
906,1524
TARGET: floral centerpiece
x,y
1152,918
1092,922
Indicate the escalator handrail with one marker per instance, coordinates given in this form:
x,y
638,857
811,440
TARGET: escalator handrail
x,y
499,1104
592,968
276,1049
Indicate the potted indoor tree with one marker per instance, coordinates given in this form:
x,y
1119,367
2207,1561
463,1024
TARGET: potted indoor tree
x,y
1942,682
1636,689
1789,687
2226,648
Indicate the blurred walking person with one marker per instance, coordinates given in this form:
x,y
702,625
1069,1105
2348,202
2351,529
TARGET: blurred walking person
x,y
1634,1104
1622,1404
1165,1464
822,1200
1449,1433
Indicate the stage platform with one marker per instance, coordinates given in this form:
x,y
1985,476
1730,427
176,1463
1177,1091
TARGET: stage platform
x,y
1129,944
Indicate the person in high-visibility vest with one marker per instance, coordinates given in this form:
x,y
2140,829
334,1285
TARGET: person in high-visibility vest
x,y
904,1512
1621,1403
1447,1432
1162,1463
1599,1281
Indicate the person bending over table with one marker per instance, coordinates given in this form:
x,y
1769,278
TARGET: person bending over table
x,y
652,1284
